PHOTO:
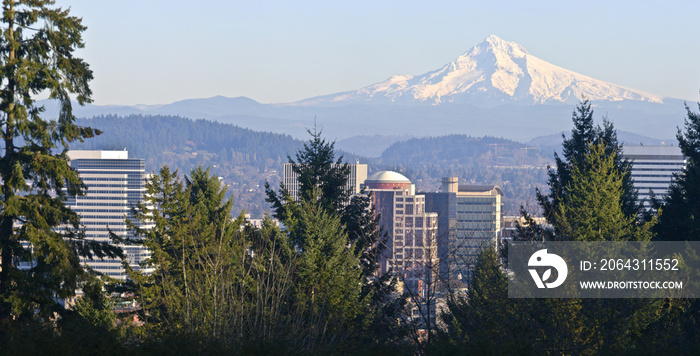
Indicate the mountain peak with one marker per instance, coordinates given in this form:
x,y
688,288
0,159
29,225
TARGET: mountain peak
x,y
493,72
496,45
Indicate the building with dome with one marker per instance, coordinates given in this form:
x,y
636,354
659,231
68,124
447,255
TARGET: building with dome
x,y
412,246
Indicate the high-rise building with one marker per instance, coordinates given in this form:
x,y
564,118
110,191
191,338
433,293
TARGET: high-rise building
x,y
653,168
412,246
358,174
115,183
469,220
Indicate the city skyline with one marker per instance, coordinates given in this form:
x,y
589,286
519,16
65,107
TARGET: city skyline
x,y
158,53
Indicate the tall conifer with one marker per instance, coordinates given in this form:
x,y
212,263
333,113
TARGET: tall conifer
x,y
37,45
680,209
585,135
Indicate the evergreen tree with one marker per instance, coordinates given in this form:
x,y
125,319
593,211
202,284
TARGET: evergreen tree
x,y
37,48
677,328
323,178
591,198
680,209
191,237
322,198
316,169
328,280
485,320
592,210
584,136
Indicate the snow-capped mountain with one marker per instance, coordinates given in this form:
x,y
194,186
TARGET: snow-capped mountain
x,y
492,72
496,88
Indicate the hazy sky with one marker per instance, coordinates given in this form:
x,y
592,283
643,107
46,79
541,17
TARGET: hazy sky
x,y
158,52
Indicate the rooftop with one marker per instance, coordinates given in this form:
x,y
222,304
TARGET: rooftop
x,y
92,154
387,177
471,188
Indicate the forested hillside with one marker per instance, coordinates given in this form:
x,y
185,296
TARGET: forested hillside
x,y
244,158
517,168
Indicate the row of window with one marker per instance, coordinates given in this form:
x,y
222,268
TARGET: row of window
x,y
96,204
655,163
671,170
114,211
652,175
117,164
653,181
101,198
100,179
408,253
100,191
102,217
93,229
491,203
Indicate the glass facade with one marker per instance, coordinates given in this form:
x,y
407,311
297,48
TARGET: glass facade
x,y
469,220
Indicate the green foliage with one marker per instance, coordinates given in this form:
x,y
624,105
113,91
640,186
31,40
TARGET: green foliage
x,y
680,209
485,321
584,136
338,244
677,326
193,250
590,199
592,210
328,280
37,48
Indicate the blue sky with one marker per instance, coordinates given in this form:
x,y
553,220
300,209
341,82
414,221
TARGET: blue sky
x,y
158,52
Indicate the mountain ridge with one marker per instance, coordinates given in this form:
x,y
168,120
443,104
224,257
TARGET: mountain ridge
x,y
495,88
493,71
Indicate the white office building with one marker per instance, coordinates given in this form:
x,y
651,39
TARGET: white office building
x,y
653,168
115,183
358,174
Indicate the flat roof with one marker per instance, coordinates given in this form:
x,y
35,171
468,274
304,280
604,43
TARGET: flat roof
x,y
95,154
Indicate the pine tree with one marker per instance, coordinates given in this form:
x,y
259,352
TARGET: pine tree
x,y
316,168
328,280
583,136
486,321
680,209
322,177
191,236
323,197
592,210
37,48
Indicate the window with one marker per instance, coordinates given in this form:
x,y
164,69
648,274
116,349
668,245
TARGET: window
x,y
409,238
419,238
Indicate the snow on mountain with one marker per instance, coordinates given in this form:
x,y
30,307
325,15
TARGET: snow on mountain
x,y
492,72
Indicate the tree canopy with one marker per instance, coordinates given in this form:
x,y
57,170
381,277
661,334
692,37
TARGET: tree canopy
x,y
583,137
40,263
680,209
